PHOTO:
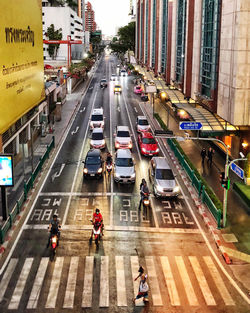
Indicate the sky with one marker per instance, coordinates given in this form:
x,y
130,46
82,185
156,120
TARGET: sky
x,y
110,14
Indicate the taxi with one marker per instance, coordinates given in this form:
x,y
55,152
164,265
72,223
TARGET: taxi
x,y
117,89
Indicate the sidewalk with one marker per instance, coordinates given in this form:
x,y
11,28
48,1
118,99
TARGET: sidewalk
x,y
237,230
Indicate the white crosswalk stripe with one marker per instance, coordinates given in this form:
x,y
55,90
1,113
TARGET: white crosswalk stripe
x,y
34,296
55,282
16,297
200,279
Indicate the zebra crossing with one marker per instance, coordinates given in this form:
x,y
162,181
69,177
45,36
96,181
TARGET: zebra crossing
x,y
173,280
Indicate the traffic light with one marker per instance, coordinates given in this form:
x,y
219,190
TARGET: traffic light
x,y
225,182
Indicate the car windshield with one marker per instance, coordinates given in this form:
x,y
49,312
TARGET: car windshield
x,y
124,162
113,75
123,133
97,117
97,136
138,87
143,122
117,86
148,141
93,160
123,71
164,174
103,81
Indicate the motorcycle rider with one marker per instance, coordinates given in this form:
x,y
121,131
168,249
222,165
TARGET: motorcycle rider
x,y
54,229
143,191
109,158
97,218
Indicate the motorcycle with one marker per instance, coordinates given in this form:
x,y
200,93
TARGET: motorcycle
x,y
97,232
146,204
109,167
54,242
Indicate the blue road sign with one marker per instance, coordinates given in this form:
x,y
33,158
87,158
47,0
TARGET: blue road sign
x,y
237,170
190,125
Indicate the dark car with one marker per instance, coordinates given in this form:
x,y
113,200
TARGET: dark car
x,y
144,96
93,164
103,83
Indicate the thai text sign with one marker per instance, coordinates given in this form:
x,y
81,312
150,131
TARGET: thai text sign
x,y
21,59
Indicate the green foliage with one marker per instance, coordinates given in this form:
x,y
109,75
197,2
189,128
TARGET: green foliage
x,y
117,47
209,191
53,35
247,166
127,36
130,66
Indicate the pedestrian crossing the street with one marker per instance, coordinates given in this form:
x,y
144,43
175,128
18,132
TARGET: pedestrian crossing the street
x,y
173,281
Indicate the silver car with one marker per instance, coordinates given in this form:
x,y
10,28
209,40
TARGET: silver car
x,y
97,139
124,167
162,178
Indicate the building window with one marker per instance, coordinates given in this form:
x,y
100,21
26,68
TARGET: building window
x,y
209,46
180,40
153,33
164,35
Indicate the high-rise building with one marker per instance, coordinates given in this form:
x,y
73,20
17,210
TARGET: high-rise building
x,y
201,48
90,24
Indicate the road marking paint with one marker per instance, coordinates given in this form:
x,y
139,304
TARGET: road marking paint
x,y
154,286
135,109
202,281
77,168
71,284
88,281
104,282
134,269
75,131
118,109
172,290
218,281
57,174
55,282
192,299
17,294
6,277
111,151
35,293
120,281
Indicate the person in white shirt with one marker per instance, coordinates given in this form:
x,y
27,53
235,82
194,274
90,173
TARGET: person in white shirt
x,y
143,289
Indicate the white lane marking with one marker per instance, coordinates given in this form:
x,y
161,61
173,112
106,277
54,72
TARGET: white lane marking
x,y
218,281
6,277
132,128
202,281
120,281
104,282
192,299
153,281
43,183
82,110
75,131
37,286
118,109
121,228
54,285
135,109
17,294
172,290
111,151
57,174
154,213
17,184
71,284
78,166
90,88
88,282
134,269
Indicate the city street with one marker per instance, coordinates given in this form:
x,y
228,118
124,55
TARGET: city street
x,y
185,271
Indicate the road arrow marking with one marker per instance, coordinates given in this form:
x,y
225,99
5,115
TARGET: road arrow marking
x,y
75,131
57,174
135,109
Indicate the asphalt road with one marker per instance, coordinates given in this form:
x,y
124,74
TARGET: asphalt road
x,y
185,274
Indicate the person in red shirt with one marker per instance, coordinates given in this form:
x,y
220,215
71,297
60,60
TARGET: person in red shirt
x,y
97,218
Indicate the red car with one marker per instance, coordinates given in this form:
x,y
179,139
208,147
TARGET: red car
x,y
147,143
138,90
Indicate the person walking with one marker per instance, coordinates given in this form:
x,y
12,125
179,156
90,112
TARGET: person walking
x,y
143,289
203,155
210,156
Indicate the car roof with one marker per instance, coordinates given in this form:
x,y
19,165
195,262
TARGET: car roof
x,y
104,79
113,75
123,153
94,152
98,111
161,163
141,117
147,135
97,130
122,128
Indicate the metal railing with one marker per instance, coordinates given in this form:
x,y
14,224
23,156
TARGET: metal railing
x,y
27,187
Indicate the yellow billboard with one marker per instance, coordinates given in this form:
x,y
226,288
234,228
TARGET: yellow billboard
x,y
21,59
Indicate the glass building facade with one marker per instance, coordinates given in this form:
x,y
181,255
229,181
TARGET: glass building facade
x,y
146,32
180,39
153,33
164,35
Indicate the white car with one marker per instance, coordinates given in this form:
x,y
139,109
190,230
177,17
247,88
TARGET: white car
x,y
142,124
114,77
97,139
122,138
124,168
97,119
123,73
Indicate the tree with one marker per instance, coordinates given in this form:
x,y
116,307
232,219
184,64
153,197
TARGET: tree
x,y
53,35
127,36
247,169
